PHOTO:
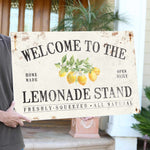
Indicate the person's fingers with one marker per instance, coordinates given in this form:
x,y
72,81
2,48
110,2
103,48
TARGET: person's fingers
x,y
21,123
12,125
24,118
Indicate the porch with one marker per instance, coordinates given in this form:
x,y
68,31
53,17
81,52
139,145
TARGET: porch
x,y
58,138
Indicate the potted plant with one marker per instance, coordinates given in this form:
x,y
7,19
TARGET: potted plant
x,y
79,18
143,125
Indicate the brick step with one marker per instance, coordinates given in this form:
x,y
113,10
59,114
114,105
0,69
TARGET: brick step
x,y
56,138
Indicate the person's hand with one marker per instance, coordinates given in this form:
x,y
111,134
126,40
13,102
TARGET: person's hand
x,y
86,118
12,119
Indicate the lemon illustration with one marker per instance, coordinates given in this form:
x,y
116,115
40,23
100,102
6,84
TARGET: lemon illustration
x,y
92,76
82,79
96,70
62,74
71,78
76,70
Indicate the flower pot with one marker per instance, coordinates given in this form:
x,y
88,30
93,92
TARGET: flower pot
x,y
85,128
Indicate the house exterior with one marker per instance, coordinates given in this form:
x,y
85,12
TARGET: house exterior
x,y
146,70
119,127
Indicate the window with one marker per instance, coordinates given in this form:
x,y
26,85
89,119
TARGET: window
x,y
28,15
14,12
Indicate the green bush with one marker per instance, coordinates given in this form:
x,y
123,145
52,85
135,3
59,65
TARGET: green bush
x,y
144,117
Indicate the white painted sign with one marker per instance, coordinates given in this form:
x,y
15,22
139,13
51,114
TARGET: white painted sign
x,y
74,74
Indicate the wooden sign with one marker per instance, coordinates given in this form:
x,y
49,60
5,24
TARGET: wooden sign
x,y
74,74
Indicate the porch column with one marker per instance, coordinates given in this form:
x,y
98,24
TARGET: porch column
x,y
119,126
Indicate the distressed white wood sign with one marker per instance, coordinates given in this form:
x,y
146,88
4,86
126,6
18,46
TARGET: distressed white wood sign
x,y
74,74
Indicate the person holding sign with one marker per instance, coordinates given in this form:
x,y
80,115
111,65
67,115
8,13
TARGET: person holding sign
x,y
10,121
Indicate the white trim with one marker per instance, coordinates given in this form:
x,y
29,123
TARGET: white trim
x,y
131,143
135,11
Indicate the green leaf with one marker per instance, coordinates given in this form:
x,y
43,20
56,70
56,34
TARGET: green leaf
x,y
87,59
68,63
72,60
147,92
143,125
86,71
62,70
58,65
77,62
73,70
80,63
66,69
64,58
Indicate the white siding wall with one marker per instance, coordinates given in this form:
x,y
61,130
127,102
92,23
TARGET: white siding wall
x,y
146,73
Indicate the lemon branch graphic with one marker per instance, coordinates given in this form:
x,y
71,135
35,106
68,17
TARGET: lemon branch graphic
x,y
77,70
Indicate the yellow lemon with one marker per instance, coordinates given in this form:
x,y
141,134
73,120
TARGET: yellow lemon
x,y
92,76
96,70
62,74
71,78
82,79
